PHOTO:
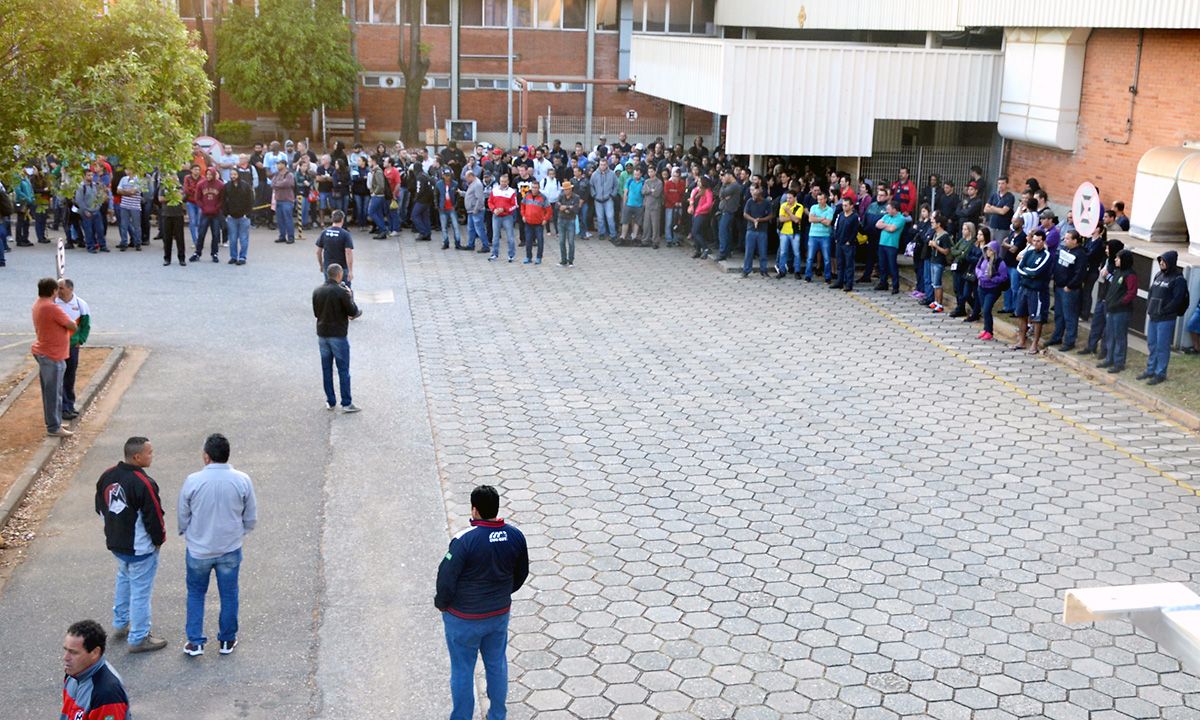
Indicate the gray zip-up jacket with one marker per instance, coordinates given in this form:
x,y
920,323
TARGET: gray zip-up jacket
x,y
604,184
377,182
652,193
87,198
731,197
475,200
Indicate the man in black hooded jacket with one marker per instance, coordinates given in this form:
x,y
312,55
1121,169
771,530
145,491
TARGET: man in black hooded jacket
x,y
1167,303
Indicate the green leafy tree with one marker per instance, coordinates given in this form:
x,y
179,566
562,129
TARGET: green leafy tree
x,y
292,57
129,83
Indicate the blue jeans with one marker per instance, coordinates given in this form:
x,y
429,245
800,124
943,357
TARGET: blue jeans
x,y
1010,295
361,203
50,377
449,222
193,214
207,222
789,245
420,220
93,230
724,233
130,226
505,224
1099,321
933,274
585,214
131,596
198,574
238,231
466,640
477,229
1159,334
756,242
534,233
889,266
818,244
669,225
1066,316
305,209
989,301
1116,338
605,224
398,216
845,263
285,220
377,211
566,240
335,348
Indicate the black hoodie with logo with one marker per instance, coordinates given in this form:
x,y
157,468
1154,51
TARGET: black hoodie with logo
x,y
1168,292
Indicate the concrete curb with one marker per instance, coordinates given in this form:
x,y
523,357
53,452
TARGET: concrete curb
x,y
17,390
12,499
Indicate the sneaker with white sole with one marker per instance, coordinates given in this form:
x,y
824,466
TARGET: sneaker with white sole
x,y
193,649
227,646
351,408
330,406
62,432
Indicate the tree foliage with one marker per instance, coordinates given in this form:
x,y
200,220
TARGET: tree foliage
x,y
129,83
414,68
293,57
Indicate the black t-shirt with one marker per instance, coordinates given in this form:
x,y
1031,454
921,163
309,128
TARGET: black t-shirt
x,y
1017,240
335,241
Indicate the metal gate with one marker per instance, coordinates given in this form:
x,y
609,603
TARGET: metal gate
x,y
952,163
571,129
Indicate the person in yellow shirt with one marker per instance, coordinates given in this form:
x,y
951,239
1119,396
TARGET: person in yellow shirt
x,y
790,212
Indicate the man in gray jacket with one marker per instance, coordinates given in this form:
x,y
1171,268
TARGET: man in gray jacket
x,y
216,510
475,202
604,186
89,198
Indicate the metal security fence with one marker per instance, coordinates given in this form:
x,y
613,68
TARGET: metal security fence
x,y
952,163
571,129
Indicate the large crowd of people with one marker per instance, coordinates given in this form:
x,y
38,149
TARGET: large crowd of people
x,y
996,245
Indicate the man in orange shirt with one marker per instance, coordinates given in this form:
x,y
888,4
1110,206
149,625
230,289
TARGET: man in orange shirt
x,y
51,350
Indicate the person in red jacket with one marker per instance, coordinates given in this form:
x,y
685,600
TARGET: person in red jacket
x,y
535,212
674,188
210,197
502,201
904,191
191,184
92,690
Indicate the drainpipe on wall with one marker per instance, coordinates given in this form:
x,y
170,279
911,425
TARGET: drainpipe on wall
x,y
589,91
1133,91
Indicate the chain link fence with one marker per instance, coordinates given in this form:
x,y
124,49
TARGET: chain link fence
x,y
952,163
572,129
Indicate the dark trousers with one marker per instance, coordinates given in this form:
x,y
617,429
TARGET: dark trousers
x,y
68,388
534,233
845,265
1099,320
206,222
172,232
1085,299
872,256
420,220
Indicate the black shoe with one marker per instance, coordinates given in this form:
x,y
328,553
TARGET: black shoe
x,y
848,288
970,319
122,247
137,248
1114,369
745,275
216,259
1054,342
1157,379
104,249
194,258
958,313
863,279
291,242
896,291
1087,351
1144,376
1066,348
1190,351
241,262
380,236
722,258
233,261
880,286
764,273
483,250
280,240
836,286
445,246
696,255
69,414
166,263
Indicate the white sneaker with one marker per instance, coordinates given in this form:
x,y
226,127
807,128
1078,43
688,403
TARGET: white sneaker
x,y
62,432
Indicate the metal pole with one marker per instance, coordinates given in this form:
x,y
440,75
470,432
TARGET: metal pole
x,y
455,25
435,130
589,95
510,73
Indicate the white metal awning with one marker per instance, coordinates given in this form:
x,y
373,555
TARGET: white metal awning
x,y
816,98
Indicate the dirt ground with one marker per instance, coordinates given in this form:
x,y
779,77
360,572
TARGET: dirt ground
x,y
22,426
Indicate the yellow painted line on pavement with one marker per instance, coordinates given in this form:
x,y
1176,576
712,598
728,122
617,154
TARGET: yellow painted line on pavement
x,y
1008,384
13,345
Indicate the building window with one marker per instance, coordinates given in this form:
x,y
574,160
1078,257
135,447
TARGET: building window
x,y
702,16
679,16
606,14
574,15
539,14
383,12
192,8
495,13
656,16
472,13
437,12
549,14
523,13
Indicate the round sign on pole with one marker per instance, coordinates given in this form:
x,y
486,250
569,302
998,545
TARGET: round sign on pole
x,y
60,259
1086,209
631,114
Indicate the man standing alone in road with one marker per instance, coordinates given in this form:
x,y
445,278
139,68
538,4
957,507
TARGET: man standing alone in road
x,y
334,308
216,510
486,563
128,500
51,350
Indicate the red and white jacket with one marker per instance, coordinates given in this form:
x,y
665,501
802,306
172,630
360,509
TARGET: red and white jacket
x,y
502,201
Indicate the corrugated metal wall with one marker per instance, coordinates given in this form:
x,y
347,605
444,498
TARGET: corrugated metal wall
x,y
952,15
919,15
1078,13
690,71
833,93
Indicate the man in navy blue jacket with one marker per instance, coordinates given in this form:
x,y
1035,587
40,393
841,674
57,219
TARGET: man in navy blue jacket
x,y
1033,296
486,563
1069,274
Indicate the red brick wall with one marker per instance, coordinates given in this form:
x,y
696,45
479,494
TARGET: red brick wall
x,y
1167,112
540,52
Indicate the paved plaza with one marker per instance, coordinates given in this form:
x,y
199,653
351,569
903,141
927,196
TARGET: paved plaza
x,y
744,498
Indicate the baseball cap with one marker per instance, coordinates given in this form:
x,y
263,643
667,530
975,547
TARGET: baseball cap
x,y
497,151
1048,214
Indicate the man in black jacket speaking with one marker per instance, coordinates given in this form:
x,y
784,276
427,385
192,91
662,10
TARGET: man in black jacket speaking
x,y
486,563
334,308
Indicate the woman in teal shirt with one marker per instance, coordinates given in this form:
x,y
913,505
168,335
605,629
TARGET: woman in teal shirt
x,y
891,227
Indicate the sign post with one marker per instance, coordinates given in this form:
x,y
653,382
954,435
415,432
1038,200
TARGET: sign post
x,y
631,115
1086,209
60,259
